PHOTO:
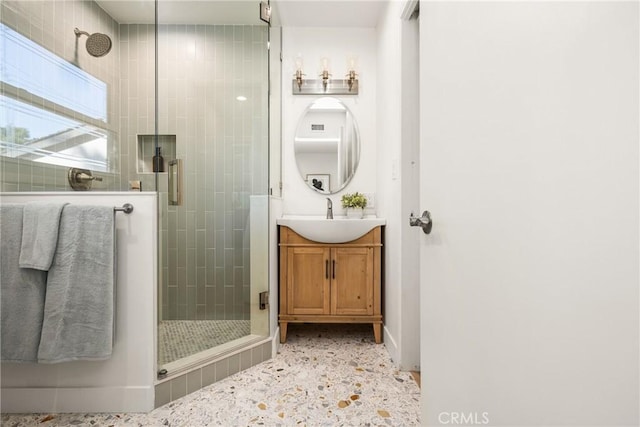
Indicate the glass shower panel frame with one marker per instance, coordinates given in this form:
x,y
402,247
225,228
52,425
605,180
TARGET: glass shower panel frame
x,y
213,102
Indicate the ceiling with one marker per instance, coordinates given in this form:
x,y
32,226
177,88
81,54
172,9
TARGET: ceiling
x,y
182,11
294,13
328,13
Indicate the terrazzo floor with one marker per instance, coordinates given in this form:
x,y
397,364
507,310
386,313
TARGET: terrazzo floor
x,y
181,338
325,375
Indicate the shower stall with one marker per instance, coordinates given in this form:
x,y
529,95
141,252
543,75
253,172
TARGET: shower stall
x,y
163,96
212,117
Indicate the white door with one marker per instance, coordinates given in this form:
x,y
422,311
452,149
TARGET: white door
x,y
529,167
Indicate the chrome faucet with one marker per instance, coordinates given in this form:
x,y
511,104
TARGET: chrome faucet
x,y
329,209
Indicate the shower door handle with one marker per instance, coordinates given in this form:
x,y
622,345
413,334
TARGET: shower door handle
x,y
175,182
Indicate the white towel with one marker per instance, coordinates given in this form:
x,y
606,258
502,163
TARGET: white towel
x,y
40,225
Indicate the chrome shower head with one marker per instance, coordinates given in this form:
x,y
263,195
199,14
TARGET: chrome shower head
x,y
98,44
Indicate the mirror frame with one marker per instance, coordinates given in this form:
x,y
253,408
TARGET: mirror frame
x,y
322,176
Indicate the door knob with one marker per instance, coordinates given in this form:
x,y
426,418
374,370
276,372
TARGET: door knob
x,y
424,221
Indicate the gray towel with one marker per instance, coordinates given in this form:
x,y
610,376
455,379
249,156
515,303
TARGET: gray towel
x,y
22,293
39,234
78,314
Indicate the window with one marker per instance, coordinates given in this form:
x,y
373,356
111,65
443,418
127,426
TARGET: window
x,y
50,110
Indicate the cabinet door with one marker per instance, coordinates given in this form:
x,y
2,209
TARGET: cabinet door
x,y
352,281
308,282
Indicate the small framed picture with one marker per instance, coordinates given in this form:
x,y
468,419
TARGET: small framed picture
x,y
319,182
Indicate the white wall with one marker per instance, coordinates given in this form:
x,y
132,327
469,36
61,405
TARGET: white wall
x,y
259,248
125,382
410,178
530,281
336,44
398,195
389,197
275,211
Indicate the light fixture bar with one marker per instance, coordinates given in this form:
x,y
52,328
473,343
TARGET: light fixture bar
x,y
333,87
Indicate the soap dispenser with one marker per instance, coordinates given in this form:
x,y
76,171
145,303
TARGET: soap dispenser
x,y
158,161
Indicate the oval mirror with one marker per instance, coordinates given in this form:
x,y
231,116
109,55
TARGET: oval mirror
x,y
327,145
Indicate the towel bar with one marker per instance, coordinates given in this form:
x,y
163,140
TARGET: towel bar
x,y
126,208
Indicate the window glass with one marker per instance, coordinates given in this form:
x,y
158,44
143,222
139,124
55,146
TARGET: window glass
x,y
51,110
31,133
29,66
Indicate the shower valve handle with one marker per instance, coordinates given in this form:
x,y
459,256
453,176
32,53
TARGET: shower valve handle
x,y
81,179
84,177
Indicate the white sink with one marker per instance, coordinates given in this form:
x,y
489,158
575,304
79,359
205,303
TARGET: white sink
x,y
337,230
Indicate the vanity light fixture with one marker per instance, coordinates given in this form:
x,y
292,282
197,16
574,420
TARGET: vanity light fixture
x,y
352,76
324,62
325,85
299,72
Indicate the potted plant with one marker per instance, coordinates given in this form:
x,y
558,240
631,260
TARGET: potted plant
x,y
354,203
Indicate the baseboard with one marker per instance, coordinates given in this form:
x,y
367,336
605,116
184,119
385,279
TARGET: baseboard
x,y
60,400
392,347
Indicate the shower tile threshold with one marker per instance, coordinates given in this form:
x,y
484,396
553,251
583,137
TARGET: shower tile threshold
x,y
324,375
212,355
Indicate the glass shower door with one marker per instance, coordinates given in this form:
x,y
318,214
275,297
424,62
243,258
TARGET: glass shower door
x,y
213,136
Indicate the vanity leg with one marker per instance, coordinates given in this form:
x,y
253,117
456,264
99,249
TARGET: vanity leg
x,y
377,332
283,332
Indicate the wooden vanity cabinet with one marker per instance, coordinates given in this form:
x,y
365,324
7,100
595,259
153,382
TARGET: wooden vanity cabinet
x,y
330,283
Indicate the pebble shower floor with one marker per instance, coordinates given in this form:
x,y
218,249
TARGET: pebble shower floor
x,y
181,338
